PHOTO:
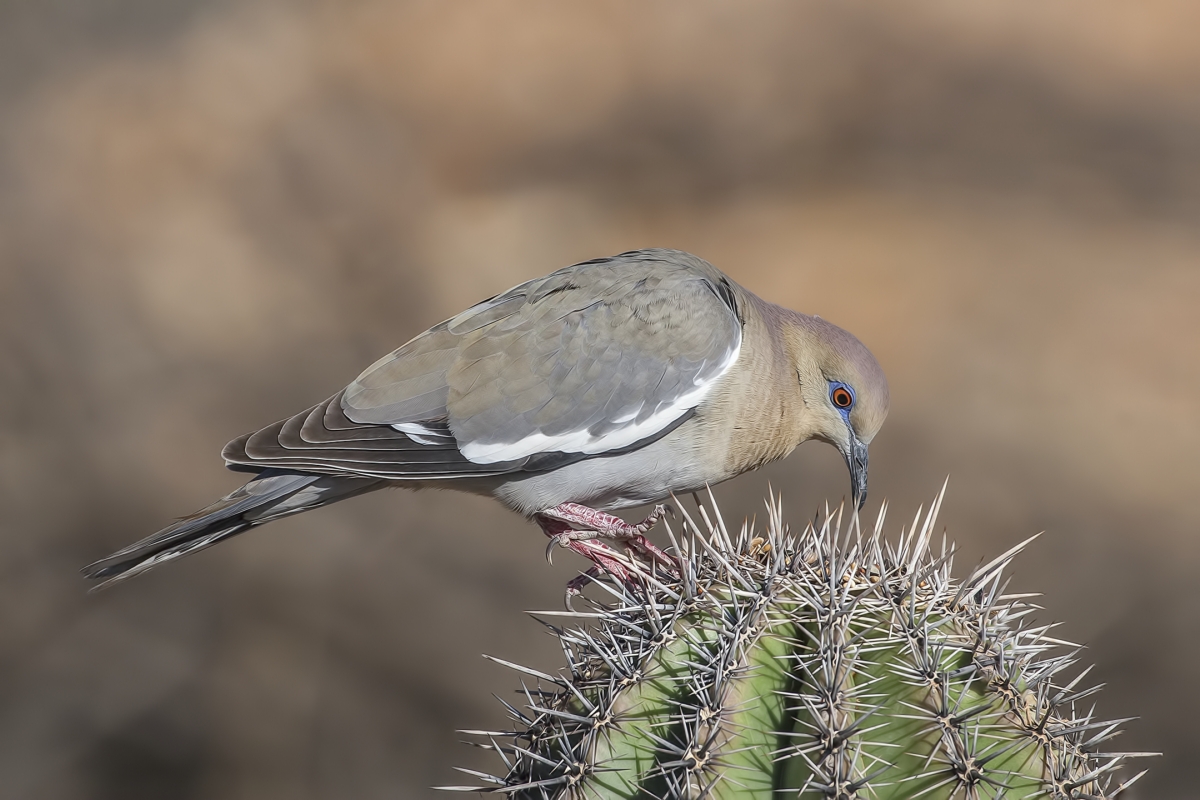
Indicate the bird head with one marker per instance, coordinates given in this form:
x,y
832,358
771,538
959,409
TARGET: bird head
x,y
844,391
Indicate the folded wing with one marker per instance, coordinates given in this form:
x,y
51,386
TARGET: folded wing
x,y
591,360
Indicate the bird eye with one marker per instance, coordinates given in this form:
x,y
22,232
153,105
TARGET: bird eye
x,y
841,397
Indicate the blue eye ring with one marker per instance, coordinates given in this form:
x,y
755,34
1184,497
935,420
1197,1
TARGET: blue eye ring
x,y
842,396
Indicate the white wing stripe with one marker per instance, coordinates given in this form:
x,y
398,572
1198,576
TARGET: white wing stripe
x,y
421,434
583,442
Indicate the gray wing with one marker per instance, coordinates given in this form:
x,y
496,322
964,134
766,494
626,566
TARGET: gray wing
x,y
324,440
592,359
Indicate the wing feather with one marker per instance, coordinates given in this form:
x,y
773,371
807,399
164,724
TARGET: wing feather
x,y
322,439
592,359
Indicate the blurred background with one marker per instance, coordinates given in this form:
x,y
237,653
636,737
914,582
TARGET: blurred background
x,y
213,214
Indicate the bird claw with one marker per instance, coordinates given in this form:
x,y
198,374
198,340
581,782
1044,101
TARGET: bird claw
x,y
649,522
576,584
565,538
557,523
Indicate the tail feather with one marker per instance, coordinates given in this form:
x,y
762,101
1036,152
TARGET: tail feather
x,y
270,495
116,572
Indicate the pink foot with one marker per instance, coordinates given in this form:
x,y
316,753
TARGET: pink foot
x,y
578,528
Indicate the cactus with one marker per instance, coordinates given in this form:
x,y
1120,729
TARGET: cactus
x,y
828,664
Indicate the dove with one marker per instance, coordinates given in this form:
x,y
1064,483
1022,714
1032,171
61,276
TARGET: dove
x,y
611,383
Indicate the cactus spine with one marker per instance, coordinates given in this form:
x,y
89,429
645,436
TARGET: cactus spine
x,y
828,664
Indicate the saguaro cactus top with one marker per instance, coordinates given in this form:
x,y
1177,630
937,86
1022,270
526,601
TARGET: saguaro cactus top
x,y
825,664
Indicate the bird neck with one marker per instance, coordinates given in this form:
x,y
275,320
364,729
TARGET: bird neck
x,y
761,401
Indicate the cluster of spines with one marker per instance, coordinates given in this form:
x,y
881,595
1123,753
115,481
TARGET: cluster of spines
x,y
830,663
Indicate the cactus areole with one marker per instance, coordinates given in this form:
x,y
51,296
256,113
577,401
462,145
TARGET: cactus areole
x,y
825,664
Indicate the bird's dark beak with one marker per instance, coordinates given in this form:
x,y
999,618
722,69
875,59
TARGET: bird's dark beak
x,y
856,460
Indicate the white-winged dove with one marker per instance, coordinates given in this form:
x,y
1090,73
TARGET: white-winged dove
x,y
610,383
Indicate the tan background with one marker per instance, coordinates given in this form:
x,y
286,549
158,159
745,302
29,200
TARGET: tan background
x,y
214,214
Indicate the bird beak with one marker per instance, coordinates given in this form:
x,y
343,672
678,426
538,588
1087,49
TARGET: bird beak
x,y
856,460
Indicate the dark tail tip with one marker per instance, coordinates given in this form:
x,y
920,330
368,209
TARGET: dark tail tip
x,y
133,561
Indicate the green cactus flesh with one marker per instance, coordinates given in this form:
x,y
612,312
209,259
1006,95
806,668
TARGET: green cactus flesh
x,y
828,664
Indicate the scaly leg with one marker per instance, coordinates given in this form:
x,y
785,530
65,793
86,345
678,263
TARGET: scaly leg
x,y
604,557
558,523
